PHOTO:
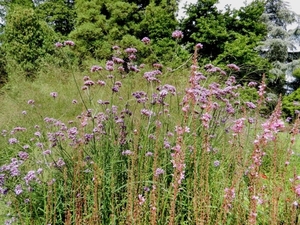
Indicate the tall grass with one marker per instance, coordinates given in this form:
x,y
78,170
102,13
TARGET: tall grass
x,y
145,147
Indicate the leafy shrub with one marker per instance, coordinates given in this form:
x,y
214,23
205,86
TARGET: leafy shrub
x,y
26,35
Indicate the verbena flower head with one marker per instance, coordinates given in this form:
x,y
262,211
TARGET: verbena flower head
x,y
58,45
18,189
132,57
60,163
177,34
157,65
12,141
23,155
89,83
252,84
130,50
30,102
117,60
216,163
30,176
233,67
53,94
95,68
127,152
199,46
146,40
101,82
158,172
250,105
70,43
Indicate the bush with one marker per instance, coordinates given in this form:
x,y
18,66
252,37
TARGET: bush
x,y
27,39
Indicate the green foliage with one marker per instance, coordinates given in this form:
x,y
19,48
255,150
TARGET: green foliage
x,y
241,52
216,30
291,103
205,24
100,24
26,39
275,47
3,63
296,73
248,94
158,22
11,3
58,14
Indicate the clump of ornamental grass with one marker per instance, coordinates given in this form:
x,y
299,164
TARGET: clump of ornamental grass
x,y
145,149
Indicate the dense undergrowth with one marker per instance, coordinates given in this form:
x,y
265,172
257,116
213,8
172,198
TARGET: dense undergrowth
x,y
148,146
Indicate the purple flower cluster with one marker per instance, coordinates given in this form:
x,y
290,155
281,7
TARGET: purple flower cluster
x,y
96,68
146,40
130,50
151,75
214,69
199,46
117,60
147,112
140,96
158,172
250,105
177,34
233,67
69,43
53,94
17,129
58,45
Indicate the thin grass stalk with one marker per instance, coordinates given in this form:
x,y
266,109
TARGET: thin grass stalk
x,y
96,219
178,160
49,204
155,179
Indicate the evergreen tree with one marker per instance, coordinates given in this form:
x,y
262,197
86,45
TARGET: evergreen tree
x,y
206,24
279,41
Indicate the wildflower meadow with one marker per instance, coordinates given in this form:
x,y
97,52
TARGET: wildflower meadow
x,y
118,142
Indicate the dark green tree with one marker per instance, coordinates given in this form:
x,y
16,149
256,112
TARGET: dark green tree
x,y
26,39
59,14
228,36
246,30
205,24
101,24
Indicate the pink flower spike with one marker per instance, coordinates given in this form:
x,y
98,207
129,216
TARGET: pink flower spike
x,y
297,190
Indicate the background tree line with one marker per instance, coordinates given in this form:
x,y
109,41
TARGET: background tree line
x,y
255,37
